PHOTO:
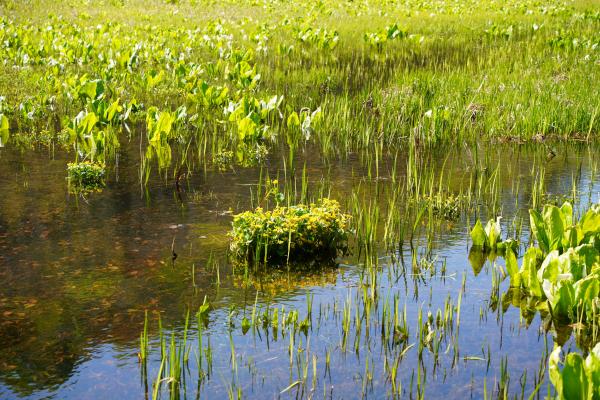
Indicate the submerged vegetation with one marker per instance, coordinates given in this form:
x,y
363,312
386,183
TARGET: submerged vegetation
x,y
288,192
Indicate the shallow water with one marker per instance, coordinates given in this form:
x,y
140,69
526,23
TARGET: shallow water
x,y
79,272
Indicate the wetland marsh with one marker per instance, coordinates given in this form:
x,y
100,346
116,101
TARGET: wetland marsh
x,y
152,153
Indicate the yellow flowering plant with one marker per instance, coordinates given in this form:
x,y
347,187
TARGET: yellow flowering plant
x,y
297,233
86,176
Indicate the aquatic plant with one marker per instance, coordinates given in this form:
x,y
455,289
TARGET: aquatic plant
x,y
251,116
309,120
578,378
378,39
488,238
444,205
306,232
563,283
4,130
555,230
321,38
86,176
223,159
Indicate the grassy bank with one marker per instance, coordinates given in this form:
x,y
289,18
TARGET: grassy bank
x,y
377,72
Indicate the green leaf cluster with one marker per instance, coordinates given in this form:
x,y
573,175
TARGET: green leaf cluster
x,y
488,238
301,232
554,228
321,38
86,176
4,130
251,116
578,378
378,39
564,270
308,118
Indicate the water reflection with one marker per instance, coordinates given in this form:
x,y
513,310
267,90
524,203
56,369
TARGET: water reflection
x,y
78,272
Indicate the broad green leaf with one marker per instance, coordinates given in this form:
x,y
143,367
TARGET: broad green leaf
x,y
508,244
87,123
567,214
91,90
245,325
569,267
588,255
88,90
574,381
586,291
154,78
571,238
113,110
590,222
165,123
533,256
4,130
492,230
512,267
246,128
549,269
293,121
220,99
555,229
592,367
274,102
564,301
554,370
160,125
538,228
478,235
531,261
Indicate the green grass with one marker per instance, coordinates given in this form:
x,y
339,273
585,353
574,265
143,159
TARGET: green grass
x,y
463,71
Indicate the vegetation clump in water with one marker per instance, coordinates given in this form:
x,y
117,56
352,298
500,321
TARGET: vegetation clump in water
x,y
445,205
86,176
560,277
305,232
565,268
488,238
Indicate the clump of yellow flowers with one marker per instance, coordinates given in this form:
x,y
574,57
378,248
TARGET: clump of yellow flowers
x,y
297,233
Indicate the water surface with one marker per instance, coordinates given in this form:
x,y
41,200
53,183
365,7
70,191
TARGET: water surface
x,y
78,274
